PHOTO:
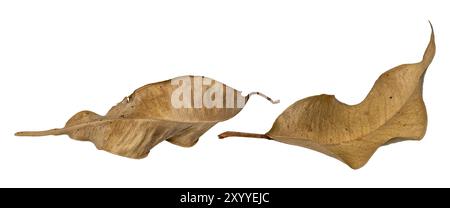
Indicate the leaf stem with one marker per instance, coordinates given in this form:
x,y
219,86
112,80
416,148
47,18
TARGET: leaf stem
x,y
41,133
242,134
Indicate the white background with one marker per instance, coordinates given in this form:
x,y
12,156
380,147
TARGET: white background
x,y
60,57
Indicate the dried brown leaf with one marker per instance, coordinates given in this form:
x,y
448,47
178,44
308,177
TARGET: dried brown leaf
x,y
148,117
392,111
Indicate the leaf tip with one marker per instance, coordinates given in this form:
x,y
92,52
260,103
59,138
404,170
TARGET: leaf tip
x,y
264,96
431,48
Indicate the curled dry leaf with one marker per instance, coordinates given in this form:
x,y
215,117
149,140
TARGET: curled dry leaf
x,y
179,110
392,111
